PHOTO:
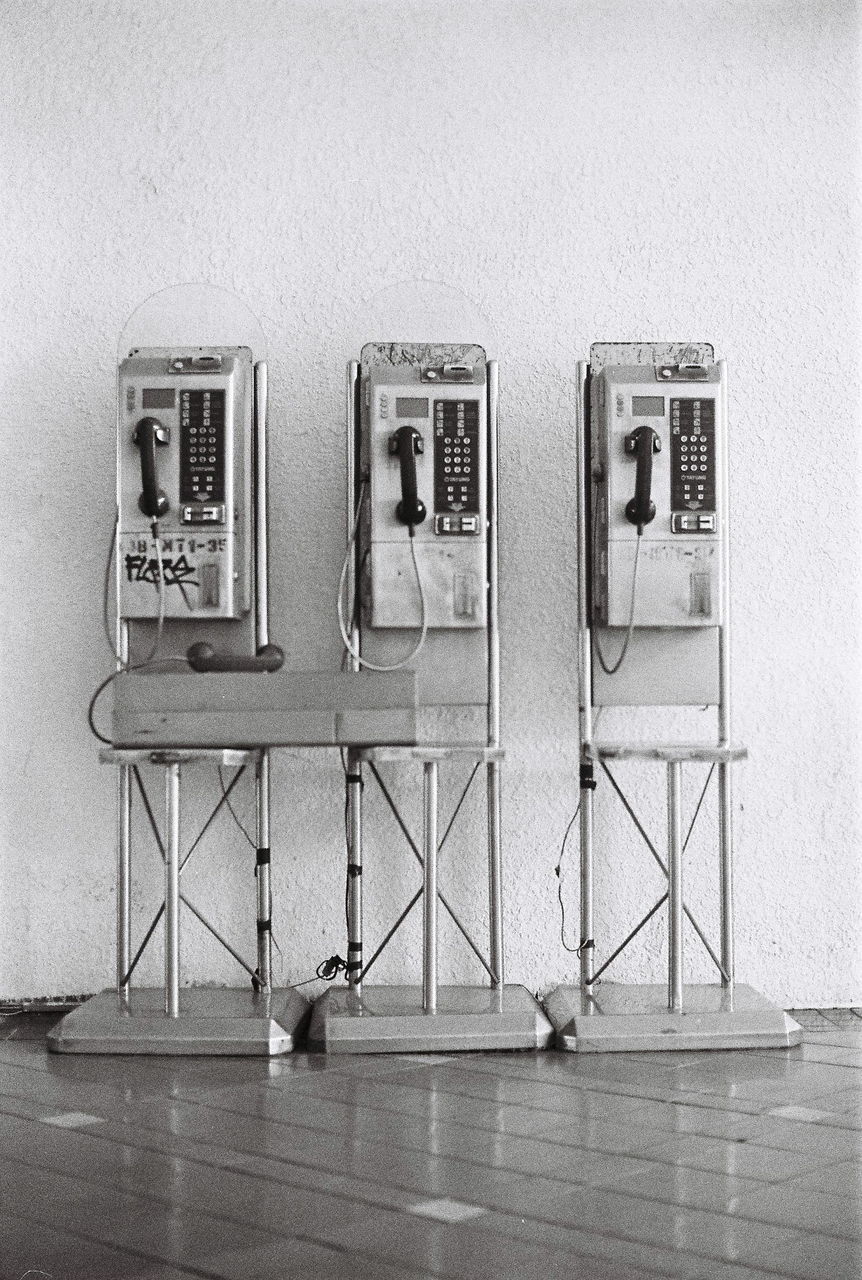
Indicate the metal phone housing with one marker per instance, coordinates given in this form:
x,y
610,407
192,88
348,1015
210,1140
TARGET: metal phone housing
x,y
202,399
679,571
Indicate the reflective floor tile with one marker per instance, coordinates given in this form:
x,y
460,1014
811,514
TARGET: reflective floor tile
x,y
737,1158
679,1118
816,1257
304,1260
43,1251
72,1119
446,1210
843,1179
804,1210
814,1138
699,1188
469,1252
662,1238
807,1115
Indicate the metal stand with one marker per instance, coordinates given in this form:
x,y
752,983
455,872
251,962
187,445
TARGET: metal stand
x,y
258,1020
197,1020
398,1019
593,1017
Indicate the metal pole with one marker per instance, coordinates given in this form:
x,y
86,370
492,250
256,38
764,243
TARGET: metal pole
x,y
261,637
493,562
262,871
261,507
725,796
585,684
352,498
354,763
429,889
495,845
674,866
495,866
354,871
124,788
172,890
124,870
124,843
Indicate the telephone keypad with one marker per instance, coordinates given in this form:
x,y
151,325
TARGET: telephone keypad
x,y
456,450
202,440
692,457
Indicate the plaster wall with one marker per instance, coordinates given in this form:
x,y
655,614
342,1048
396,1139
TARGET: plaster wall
x,y
585,171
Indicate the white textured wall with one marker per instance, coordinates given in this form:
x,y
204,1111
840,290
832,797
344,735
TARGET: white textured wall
x,y
582,171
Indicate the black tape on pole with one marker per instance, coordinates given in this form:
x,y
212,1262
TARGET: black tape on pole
x,y
588,782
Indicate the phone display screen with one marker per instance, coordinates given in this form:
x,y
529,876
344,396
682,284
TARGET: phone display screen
x,y
158,398
411,407
647,406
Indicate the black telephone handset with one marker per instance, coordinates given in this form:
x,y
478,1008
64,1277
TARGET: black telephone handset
x,y
407,442
202,657
643,442
150,433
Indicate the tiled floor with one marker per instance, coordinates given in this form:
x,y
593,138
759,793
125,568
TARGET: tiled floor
x,y
506,1166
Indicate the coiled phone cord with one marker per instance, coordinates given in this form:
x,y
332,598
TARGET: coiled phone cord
x,y
354,653
612,670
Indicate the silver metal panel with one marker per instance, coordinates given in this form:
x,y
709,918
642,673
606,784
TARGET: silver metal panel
x,y
225,547
452,667
663,667
669,751
210,1022
284,708
609,353
391,1020
622,1018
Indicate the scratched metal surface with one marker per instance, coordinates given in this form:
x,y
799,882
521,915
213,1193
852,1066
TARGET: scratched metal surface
x,y
603,354
423,354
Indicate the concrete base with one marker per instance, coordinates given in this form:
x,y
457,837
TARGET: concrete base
x,y
210,1022
622,1018
391,1020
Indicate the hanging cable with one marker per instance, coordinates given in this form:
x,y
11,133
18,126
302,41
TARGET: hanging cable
x,y
354,653
232,811
557,868
150,659
612,670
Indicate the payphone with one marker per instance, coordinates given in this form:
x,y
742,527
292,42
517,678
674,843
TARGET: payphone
x,y
420,575
418,562
191,561
653,610
184,459
187,420
657,465
426,523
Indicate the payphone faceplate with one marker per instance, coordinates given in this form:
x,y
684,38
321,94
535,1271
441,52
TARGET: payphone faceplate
x,y
450,543
200,403
679,577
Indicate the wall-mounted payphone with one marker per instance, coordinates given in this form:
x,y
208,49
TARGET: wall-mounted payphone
x,y
185,421
657,458
426,465
424,528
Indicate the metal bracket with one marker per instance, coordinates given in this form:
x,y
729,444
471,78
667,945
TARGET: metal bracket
x,y
195,364
447,373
